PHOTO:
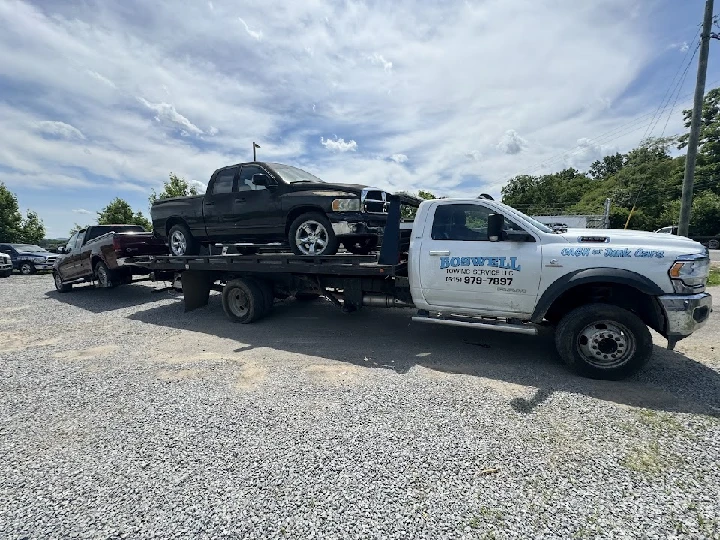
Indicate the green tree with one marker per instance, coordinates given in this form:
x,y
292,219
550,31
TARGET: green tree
x,y
10,217
33,229
707,169
175,186
606,167
549,194
408,212
120,212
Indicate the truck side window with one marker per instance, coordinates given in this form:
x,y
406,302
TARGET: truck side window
x,y
224,181
71,243
466,222
246,174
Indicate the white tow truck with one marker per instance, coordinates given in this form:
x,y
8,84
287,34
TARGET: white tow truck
x,y
479,263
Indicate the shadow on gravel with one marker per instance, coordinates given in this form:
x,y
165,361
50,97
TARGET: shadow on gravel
x,y
88,297
388,339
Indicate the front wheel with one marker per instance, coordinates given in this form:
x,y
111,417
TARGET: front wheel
x,y
312,234
60,286
603,341
27,268
181,241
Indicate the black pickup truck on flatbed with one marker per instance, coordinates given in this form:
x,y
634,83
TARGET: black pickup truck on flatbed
x,y
263,204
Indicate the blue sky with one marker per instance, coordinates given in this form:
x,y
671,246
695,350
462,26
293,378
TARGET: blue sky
x,y
101,98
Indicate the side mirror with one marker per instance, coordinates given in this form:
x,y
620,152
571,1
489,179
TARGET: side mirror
x,y
261,180
495,226
61,249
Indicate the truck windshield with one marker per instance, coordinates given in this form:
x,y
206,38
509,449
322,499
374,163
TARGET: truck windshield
x,y
544,228
293,175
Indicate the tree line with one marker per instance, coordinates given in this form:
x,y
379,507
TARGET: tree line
x,y
643,184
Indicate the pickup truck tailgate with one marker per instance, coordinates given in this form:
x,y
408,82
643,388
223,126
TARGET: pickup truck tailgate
x,y
135,244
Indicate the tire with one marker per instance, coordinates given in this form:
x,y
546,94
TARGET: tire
x,y
6,274
602,341
59,285
104,277
362,246
27,268
181,241
243,301
714,244
317,229
266,289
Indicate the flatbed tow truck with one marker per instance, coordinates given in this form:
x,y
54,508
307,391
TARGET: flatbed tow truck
x,y
479,263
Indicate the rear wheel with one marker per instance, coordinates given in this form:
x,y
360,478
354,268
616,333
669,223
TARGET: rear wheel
x,y
27,268
181,241
243,301
714,243
104,278
60,286
5,274
312,234
603,341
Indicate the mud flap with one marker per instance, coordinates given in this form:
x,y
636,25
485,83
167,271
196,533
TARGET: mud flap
x,y
196,289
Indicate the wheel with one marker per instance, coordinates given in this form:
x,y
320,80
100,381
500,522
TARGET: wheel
x,y
104,277
6,274
127,279
243,301
362,246
714,243
60,286
312,234
306,296
181,242
27,268
266,289
602,341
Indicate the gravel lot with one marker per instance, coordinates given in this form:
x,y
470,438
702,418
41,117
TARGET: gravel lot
x,y
123,417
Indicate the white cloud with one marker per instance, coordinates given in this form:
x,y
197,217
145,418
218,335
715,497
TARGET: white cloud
x,y
213,131
339,145
680,46
101,78
474,155
399,158
511,142
83,211
167,113
59,129
379,59
255,34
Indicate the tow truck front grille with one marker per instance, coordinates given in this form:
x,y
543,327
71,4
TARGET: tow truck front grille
x,y
374,201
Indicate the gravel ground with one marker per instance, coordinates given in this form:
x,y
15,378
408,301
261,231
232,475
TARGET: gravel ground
x,y
123,417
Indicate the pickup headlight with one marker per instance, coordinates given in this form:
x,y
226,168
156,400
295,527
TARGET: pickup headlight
x,y
689,273
346,205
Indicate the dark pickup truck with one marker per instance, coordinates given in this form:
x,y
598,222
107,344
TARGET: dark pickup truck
x,y
269,203
98,252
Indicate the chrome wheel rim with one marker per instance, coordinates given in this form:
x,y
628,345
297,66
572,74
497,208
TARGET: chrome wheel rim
x,y
58,282
102,276
178,243
25,269
239,303
606,344
312,238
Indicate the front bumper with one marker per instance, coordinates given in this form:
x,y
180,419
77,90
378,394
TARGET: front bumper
x,y
4,267
685,313
357,223
43,265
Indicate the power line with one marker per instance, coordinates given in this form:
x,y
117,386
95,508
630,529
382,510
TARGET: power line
x,y
679,87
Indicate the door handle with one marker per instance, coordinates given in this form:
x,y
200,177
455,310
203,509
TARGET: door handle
x,y
439,253
240,200
209,204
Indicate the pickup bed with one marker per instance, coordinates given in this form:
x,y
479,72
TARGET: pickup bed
x,y
261,204
98,253
479,263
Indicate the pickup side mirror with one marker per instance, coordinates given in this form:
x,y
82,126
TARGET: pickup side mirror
x,y
495,226
262,180
61,249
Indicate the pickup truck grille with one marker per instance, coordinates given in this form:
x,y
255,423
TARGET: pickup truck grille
x,y
374,201
51,259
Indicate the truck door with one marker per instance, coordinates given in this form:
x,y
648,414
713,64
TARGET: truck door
x,y
71,263
257,208
218,205
461,268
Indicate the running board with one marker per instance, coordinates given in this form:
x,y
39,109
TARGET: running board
x,y
497,326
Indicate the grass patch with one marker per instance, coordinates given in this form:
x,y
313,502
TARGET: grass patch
x,y
645,459
664,422
714,278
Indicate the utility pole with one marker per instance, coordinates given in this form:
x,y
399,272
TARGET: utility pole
x,y
255,145
687,190
606,215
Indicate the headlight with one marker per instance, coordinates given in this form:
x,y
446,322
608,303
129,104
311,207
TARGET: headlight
x,y
689,273
346,205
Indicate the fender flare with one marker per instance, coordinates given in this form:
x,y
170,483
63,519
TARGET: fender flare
x,y
592,275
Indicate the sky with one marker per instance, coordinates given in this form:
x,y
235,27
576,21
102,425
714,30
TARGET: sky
x,y
103,99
